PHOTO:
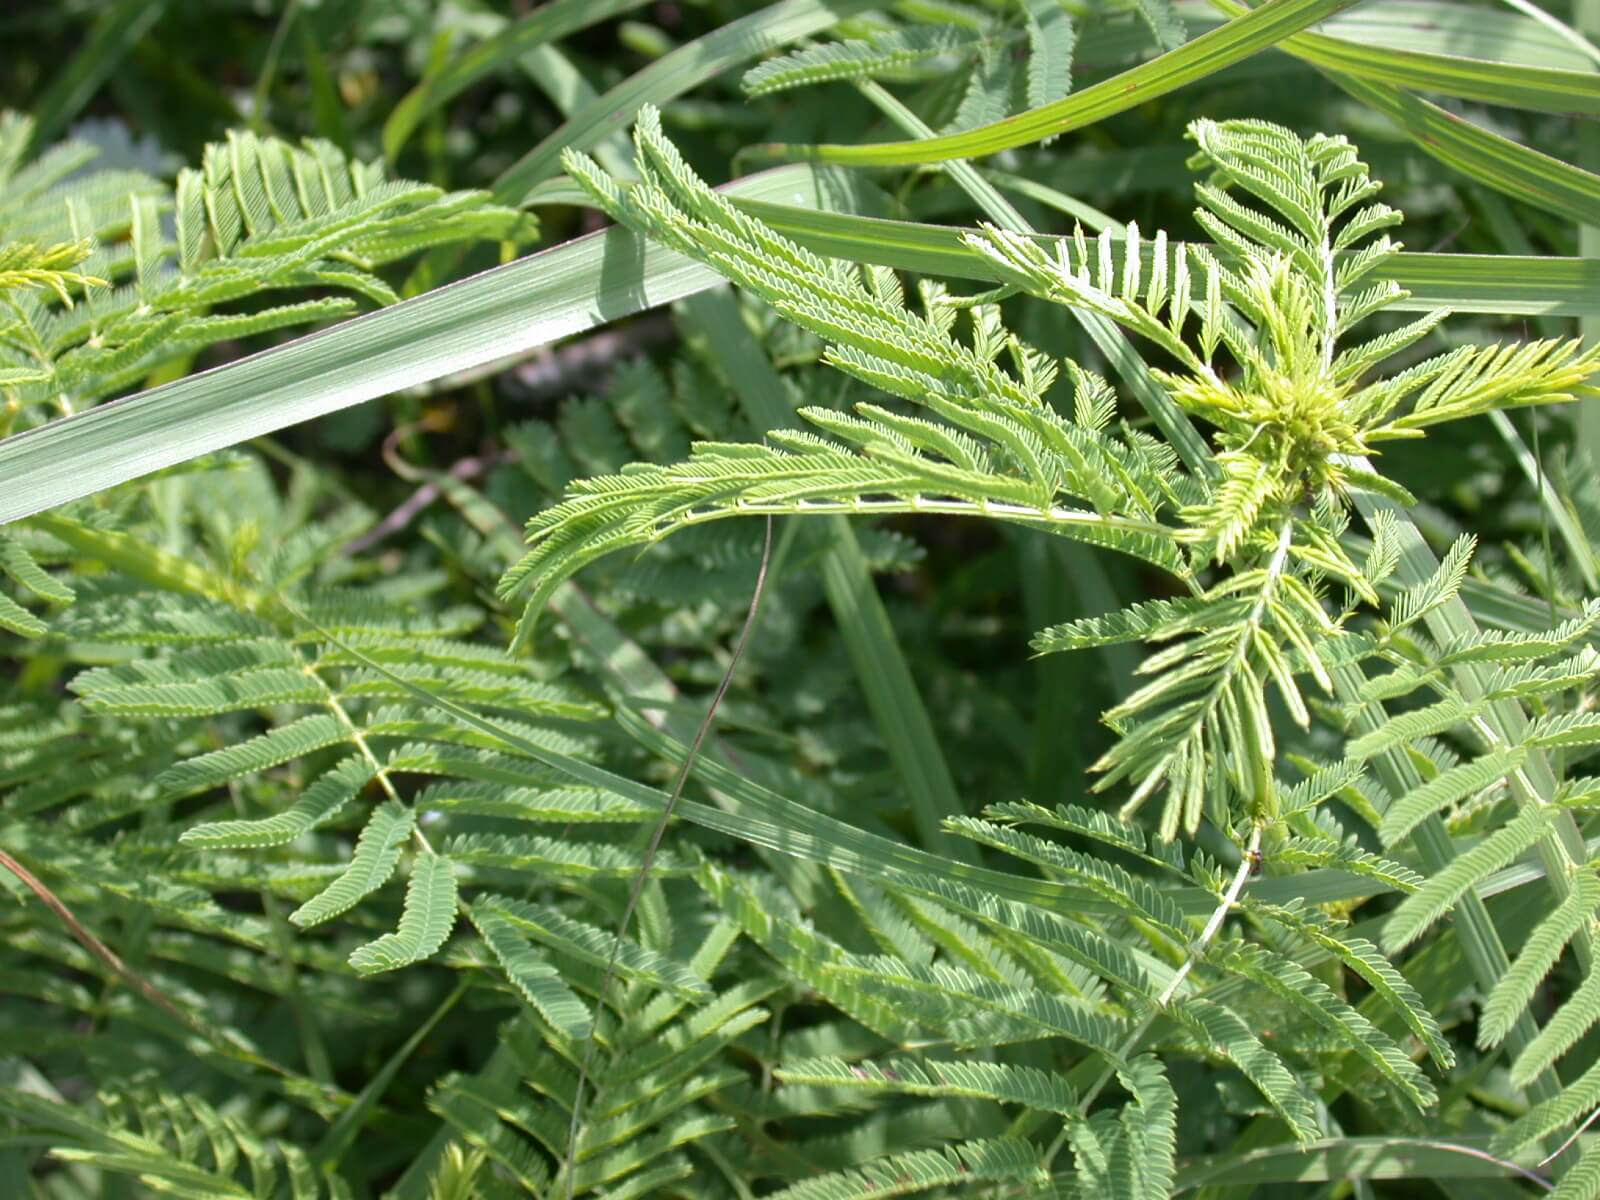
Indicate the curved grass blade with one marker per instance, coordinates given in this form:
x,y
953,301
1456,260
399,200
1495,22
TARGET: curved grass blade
x,y
1336,1159
1207,54
1542,89
1494,161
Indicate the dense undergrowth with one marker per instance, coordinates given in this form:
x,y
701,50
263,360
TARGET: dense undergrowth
x,y
1074,676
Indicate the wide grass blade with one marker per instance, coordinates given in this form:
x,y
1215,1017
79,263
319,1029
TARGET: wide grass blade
x,y
1485,157
574,287
502,312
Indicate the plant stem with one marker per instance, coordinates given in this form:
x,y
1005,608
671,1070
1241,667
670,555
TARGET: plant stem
x,y
1197,950
1209,933
569,1167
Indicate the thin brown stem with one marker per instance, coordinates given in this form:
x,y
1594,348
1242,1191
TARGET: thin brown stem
x,y
94,945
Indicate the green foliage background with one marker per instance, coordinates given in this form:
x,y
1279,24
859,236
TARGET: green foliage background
x,y
321,838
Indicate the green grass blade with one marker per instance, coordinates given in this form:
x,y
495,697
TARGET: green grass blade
x,y
669,76
1586,16
1468,30
1542,89
1205,55
117,30
342,1133
1436,27
1581,551
1339,1159
459,72
1494,161
1514,85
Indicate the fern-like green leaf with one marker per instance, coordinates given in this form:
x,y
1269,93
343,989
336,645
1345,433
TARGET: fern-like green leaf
x,y
376,855
1051,39
1150,1126
1576,1016
426,920
1582,1178
320,802
1514,994
1314,853
241,691
276,746
18,620
1006,1084
1220,1031
859,58
594,946
1448,788
1313,999
1435,897
25,571
534,854
533,975
1001,1160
